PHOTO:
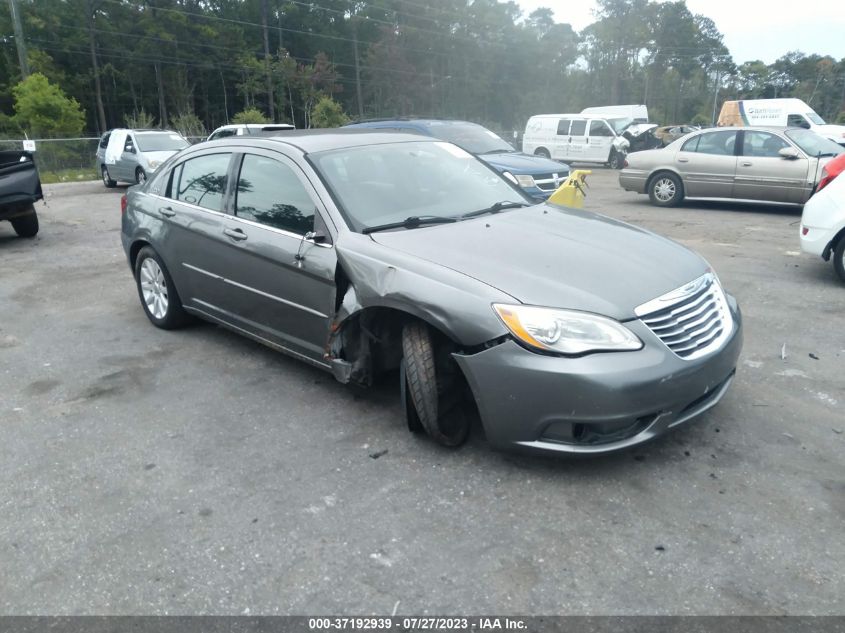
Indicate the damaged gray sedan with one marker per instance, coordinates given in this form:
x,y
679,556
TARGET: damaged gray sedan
x,y
366,252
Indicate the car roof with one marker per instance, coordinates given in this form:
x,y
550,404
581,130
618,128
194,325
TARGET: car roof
x,y
410,121
310,141
254,126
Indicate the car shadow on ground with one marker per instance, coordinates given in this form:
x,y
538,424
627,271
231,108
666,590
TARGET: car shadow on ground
x,y
383,399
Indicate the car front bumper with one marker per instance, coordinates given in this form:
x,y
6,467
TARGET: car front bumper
x,y
599,403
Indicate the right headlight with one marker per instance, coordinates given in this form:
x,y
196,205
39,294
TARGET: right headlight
x,y
566,331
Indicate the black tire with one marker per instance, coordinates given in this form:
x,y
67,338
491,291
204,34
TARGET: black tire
x,y
140,176
666,190
26,225
174,315
616,160
542,151
107,181
839,258
410,413
433,390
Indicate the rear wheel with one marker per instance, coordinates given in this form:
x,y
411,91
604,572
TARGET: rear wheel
x,y
542,151
158,295
107,181
839,258
666,190
26,225
432,388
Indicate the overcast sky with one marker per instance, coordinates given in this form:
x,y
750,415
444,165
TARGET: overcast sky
x,y
753,29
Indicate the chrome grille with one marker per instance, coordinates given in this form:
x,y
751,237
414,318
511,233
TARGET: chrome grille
x,y
550,182
692,320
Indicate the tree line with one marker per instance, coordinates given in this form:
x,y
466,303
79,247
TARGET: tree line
x,y
197,64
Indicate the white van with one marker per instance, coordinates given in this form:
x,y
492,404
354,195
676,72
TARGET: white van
x,y
779,113
577,138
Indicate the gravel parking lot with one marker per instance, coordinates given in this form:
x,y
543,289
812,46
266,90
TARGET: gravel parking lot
x,y
153,472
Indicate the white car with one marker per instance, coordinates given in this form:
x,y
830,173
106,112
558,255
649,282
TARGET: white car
x,y
246,129
823,225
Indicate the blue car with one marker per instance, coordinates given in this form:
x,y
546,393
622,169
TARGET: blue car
x,y
538,176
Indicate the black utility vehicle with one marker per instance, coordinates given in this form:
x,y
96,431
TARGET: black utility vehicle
x,y
20,188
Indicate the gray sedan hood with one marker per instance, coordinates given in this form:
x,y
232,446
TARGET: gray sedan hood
x,y
550,256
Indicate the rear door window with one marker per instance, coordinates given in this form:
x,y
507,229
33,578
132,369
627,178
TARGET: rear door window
x,y
270,193
202,181
719,143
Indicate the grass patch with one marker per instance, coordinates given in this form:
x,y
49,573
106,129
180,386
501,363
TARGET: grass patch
x,y
68,175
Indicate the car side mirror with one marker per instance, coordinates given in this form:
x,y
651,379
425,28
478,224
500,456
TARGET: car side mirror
x,y
129,148
318,237
789,153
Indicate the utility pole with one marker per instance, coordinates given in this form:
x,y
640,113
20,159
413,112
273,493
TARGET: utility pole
x,y
716,96
19,41
270,101
357,69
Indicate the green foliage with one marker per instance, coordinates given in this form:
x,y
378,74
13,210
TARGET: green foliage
x,y
840,118
139,120
700,119
188,124
328,113
250,115
9,128
43,111
484,60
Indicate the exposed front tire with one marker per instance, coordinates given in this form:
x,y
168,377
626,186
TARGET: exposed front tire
x,y
432,388
107,181
542,151
839,258
616,160
26,225
158,295
140,176
666,190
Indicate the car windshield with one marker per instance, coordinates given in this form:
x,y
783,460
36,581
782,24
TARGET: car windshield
x,y
620,124
473,138
812,144
815,118
160,142
380,184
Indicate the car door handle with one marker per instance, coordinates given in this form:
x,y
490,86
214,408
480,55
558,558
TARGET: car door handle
x,y
235,234
166,212
683,160
745,163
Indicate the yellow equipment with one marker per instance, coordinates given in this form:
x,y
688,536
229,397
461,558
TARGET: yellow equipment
x,y
572,192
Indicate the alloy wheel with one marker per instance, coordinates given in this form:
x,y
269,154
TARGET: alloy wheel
x,y
154,288
664,189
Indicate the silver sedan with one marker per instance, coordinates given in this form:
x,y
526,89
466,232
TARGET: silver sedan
x,y
752,163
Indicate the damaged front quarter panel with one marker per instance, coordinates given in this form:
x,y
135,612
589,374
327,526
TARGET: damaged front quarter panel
x,y
380,288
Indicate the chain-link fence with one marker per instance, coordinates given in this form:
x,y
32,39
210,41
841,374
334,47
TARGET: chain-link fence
x,y
62,160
